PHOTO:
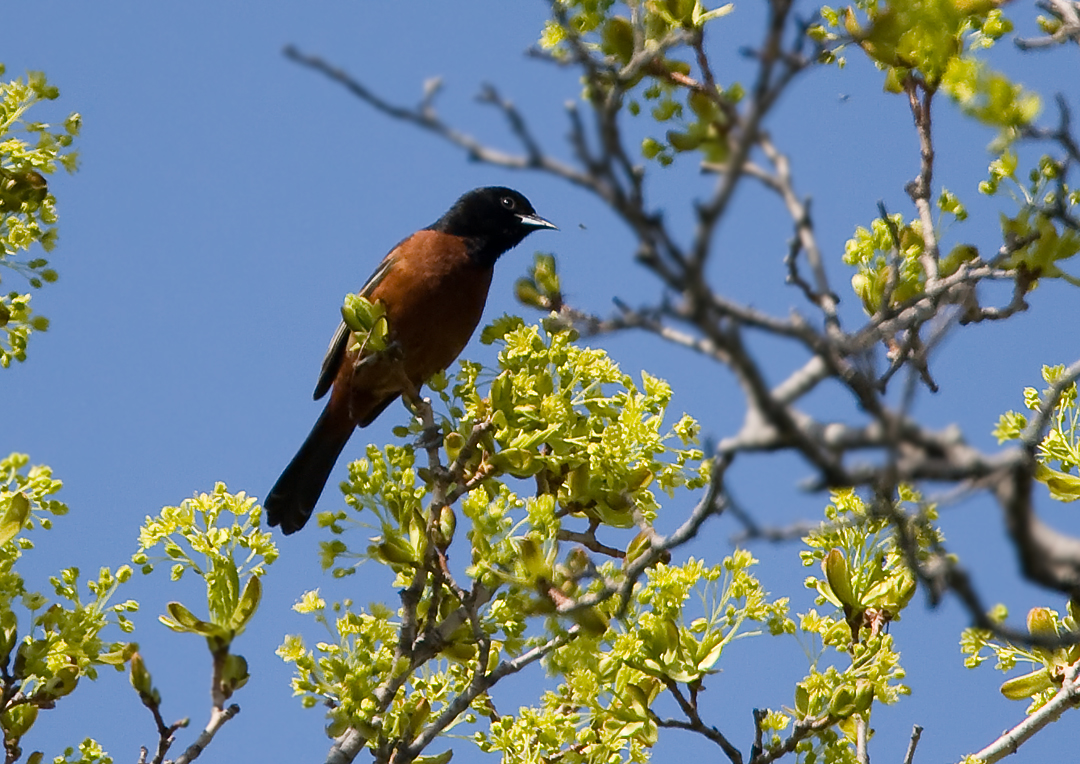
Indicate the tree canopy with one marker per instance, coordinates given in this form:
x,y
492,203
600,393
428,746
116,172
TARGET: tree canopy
x,y
547,507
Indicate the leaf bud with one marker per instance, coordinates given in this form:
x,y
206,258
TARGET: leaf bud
x,y
864,695
140,677
836,573
234,674
18,720
842,702
62,683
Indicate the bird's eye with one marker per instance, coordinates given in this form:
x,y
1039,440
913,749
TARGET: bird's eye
x,y
508,202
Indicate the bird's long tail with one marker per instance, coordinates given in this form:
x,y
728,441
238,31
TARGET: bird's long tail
x,y
293,497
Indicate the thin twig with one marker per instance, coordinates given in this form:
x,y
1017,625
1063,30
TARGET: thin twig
x,y
695,724
921,188
916,733
218,718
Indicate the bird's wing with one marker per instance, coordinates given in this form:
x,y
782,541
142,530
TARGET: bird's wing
x,y
340,341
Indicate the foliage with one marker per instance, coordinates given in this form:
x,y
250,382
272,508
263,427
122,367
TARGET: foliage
x,y
217,537
600,455
700,117
63,640
1041,227
868,579
1058,456
28,152
586,435
889,258
921,37
602,708
921,47
60,641
559,466
593,443
1052,662
89,752
1058,452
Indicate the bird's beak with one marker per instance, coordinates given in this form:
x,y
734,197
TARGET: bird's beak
x,y
535,221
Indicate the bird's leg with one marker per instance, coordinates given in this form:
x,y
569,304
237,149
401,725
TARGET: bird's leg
x,y
367,365
420,407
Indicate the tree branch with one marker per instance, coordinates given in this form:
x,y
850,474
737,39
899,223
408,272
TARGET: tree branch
x,y
1009,743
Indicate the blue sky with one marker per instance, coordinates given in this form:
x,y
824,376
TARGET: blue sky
x,y
228,199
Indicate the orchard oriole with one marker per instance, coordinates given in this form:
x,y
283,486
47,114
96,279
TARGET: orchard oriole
x,y
433,286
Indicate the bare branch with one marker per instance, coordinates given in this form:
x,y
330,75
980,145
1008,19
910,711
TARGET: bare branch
x,y
764,94
424,117
803,729
590,542
920,189
694,723
916,733
822,295
1068,13
488,94
218,718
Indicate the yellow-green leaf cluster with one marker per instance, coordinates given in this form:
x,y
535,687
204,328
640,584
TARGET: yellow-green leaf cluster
x,y
358,663
888,257
1049,664
1041,233
540,287
28,152
990,97
902,37
864,577
1050,242
367,321
61,637
865,574
1059,451
217,537
386,484
568,414
641,55
602,709
88,752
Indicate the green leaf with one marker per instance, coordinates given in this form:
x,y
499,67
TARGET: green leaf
x,y
248,604
711,657
1023,687
842,701
18,720
62,683
439,758
1041,623
517,462
15,517
1063,486
184,621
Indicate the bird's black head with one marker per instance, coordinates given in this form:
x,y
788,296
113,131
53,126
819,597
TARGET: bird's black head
x,y
491,220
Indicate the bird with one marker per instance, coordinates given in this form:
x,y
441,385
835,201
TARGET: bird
x,y
433,286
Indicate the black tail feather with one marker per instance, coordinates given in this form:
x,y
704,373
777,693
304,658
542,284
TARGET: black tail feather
x,y
294,495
